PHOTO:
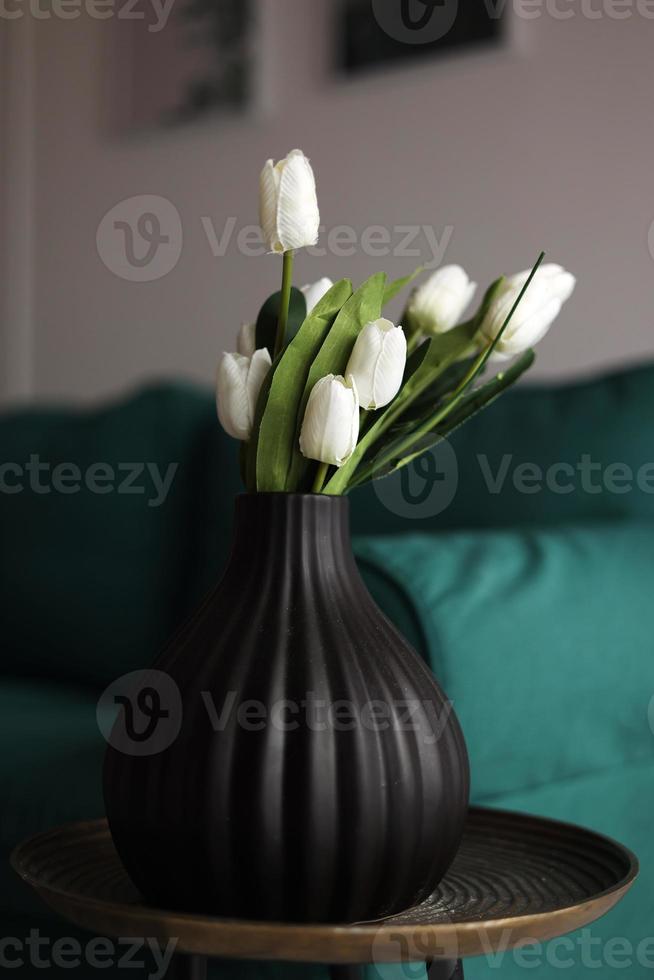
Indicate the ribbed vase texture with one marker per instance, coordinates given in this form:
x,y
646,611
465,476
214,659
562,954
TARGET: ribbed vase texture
x,y
319,773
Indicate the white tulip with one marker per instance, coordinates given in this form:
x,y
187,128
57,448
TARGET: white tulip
x,y
288,206
539,307
377,363
330,428
238,385
246,342
314,291
437,305
560,282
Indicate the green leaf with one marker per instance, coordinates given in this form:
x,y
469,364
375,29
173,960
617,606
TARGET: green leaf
x,y
436,358
469,406
486,394
413,361
440,353
479,365
253,444
395,287
443,385
279,403
362,307
446,380
269,315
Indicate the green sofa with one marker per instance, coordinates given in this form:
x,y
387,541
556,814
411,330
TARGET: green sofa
x,y
519,561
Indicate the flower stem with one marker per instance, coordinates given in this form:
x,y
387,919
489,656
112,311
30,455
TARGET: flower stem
x,y
343,478
455,396
321,473
287,282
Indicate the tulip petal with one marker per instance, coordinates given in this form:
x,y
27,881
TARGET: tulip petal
x,y
333,424
377,363
246,341
437,305
559,281
259,367
330,426
361,365
467,297
314,291
238,383
538,309
311,433
354,421
342,430
565,285
268,195
232,397
534,328
389,368
298,217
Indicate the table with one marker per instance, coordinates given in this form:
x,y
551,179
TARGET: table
x,y
516,879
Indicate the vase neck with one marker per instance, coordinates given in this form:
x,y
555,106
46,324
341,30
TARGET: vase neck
x,y
300,532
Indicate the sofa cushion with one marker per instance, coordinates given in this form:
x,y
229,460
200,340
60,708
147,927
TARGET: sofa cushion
x,y
541,454
543,641
93,580
50,772
616,801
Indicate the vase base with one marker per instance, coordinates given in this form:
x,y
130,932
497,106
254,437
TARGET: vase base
x,y
187,967
436,970
184,967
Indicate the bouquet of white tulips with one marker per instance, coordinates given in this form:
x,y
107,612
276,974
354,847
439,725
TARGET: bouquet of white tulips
x,y
325,393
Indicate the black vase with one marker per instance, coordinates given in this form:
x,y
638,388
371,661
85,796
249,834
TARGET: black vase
x,y
319,773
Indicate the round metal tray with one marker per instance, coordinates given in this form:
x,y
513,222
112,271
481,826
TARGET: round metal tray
x,y
515,879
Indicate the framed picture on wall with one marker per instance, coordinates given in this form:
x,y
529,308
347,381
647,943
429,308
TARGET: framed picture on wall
x,y
185,59
380,33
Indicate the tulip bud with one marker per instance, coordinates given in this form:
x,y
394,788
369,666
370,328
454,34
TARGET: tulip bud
x,y
377,363
437,305
288,206
238,385
330,428
314,291
537,310
246,343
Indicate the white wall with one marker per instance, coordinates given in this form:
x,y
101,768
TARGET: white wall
x,y
17,209
548,144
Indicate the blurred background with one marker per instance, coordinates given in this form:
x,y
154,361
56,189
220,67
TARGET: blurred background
x,y
133,133
478,132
